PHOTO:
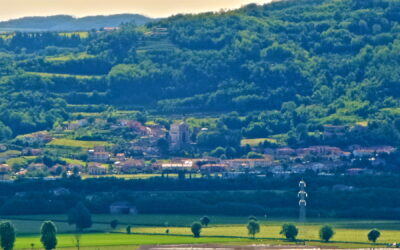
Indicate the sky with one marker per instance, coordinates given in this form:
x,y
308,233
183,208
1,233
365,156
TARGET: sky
x,y
153,8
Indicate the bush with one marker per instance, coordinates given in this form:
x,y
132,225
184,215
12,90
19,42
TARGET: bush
x,y
326,233
290,231
253,228
373,235
196,229
205,221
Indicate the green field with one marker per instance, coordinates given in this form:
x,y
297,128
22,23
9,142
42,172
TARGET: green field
x,y
103,241
150,229
45,74
68,57
82,34
256,142
77,143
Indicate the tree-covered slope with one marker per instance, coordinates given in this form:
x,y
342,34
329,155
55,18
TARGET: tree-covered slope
x,y
290,62
69,23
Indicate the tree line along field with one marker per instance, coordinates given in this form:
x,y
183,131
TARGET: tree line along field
x,y
151,229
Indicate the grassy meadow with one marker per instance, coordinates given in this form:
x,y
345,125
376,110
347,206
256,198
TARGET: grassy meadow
x,y
151,229
77,143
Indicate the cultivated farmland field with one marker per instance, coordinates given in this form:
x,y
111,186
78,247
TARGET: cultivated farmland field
x,y
77,143
151,229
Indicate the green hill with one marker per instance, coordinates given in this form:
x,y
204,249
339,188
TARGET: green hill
x,y
69,23
282,65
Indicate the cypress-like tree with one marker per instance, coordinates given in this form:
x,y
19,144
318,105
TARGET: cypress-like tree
x,y
7,235
49,235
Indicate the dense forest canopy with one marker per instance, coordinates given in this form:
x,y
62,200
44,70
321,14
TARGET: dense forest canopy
x,y
283,66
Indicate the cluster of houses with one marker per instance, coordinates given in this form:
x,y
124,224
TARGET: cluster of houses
x,y
330,153
101,161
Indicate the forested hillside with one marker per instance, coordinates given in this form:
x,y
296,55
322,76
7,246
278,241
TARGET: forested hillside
x,y
69,23
283,66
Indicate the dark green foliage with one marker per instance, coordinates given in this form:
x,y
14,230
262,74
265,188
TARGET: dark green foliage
x,y
196,229
80,217
48,235
114,224
7,235
326,233
290,231
253,228
373,235
254,155
205,220
128,229
252,217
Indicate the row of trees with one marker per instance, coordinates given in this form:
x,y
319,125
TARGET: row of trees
x,y
48,237
289,231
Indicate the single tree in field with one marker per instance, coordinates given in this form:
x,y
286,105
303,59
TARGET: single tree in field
x,y
7,235
290,231
196,229
49,235
205,221
373,235
80,217
114,224
326,233
253,228
128,229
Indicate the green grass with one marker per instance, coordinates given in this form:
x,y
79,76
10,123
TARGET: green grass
x,y
309,232
256,142
222,229
45,74
104,240
74,162
77,143
87,114
9,153
82,34
68,57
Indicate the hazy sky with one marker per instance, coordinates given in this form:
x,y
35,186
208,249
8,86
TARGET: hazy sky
x,y
154,8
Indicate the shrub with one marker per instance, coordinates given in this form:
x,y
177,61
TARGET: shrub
x,y
373,235
326,233
290,231
196,229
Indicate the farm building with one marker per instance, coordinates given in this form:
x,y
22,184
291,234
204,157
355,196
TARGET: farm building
x,y
122,207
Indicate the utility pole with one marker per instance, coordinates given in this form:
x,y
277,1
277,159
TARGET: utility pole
x,y
302,195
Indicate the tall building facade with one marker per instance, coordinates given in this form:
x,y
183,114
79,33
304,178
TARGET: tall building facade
x,y
179,135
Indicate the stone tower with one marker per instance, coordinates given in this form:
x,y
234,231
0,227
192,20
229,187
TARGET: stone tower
x,y
179,135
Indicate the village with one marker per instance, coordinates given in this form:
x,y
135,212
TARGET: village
x,y
158,151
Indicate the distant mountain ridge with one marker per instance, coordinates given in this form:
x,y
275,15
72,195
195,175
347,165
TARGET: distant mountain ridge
x,y
70,23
